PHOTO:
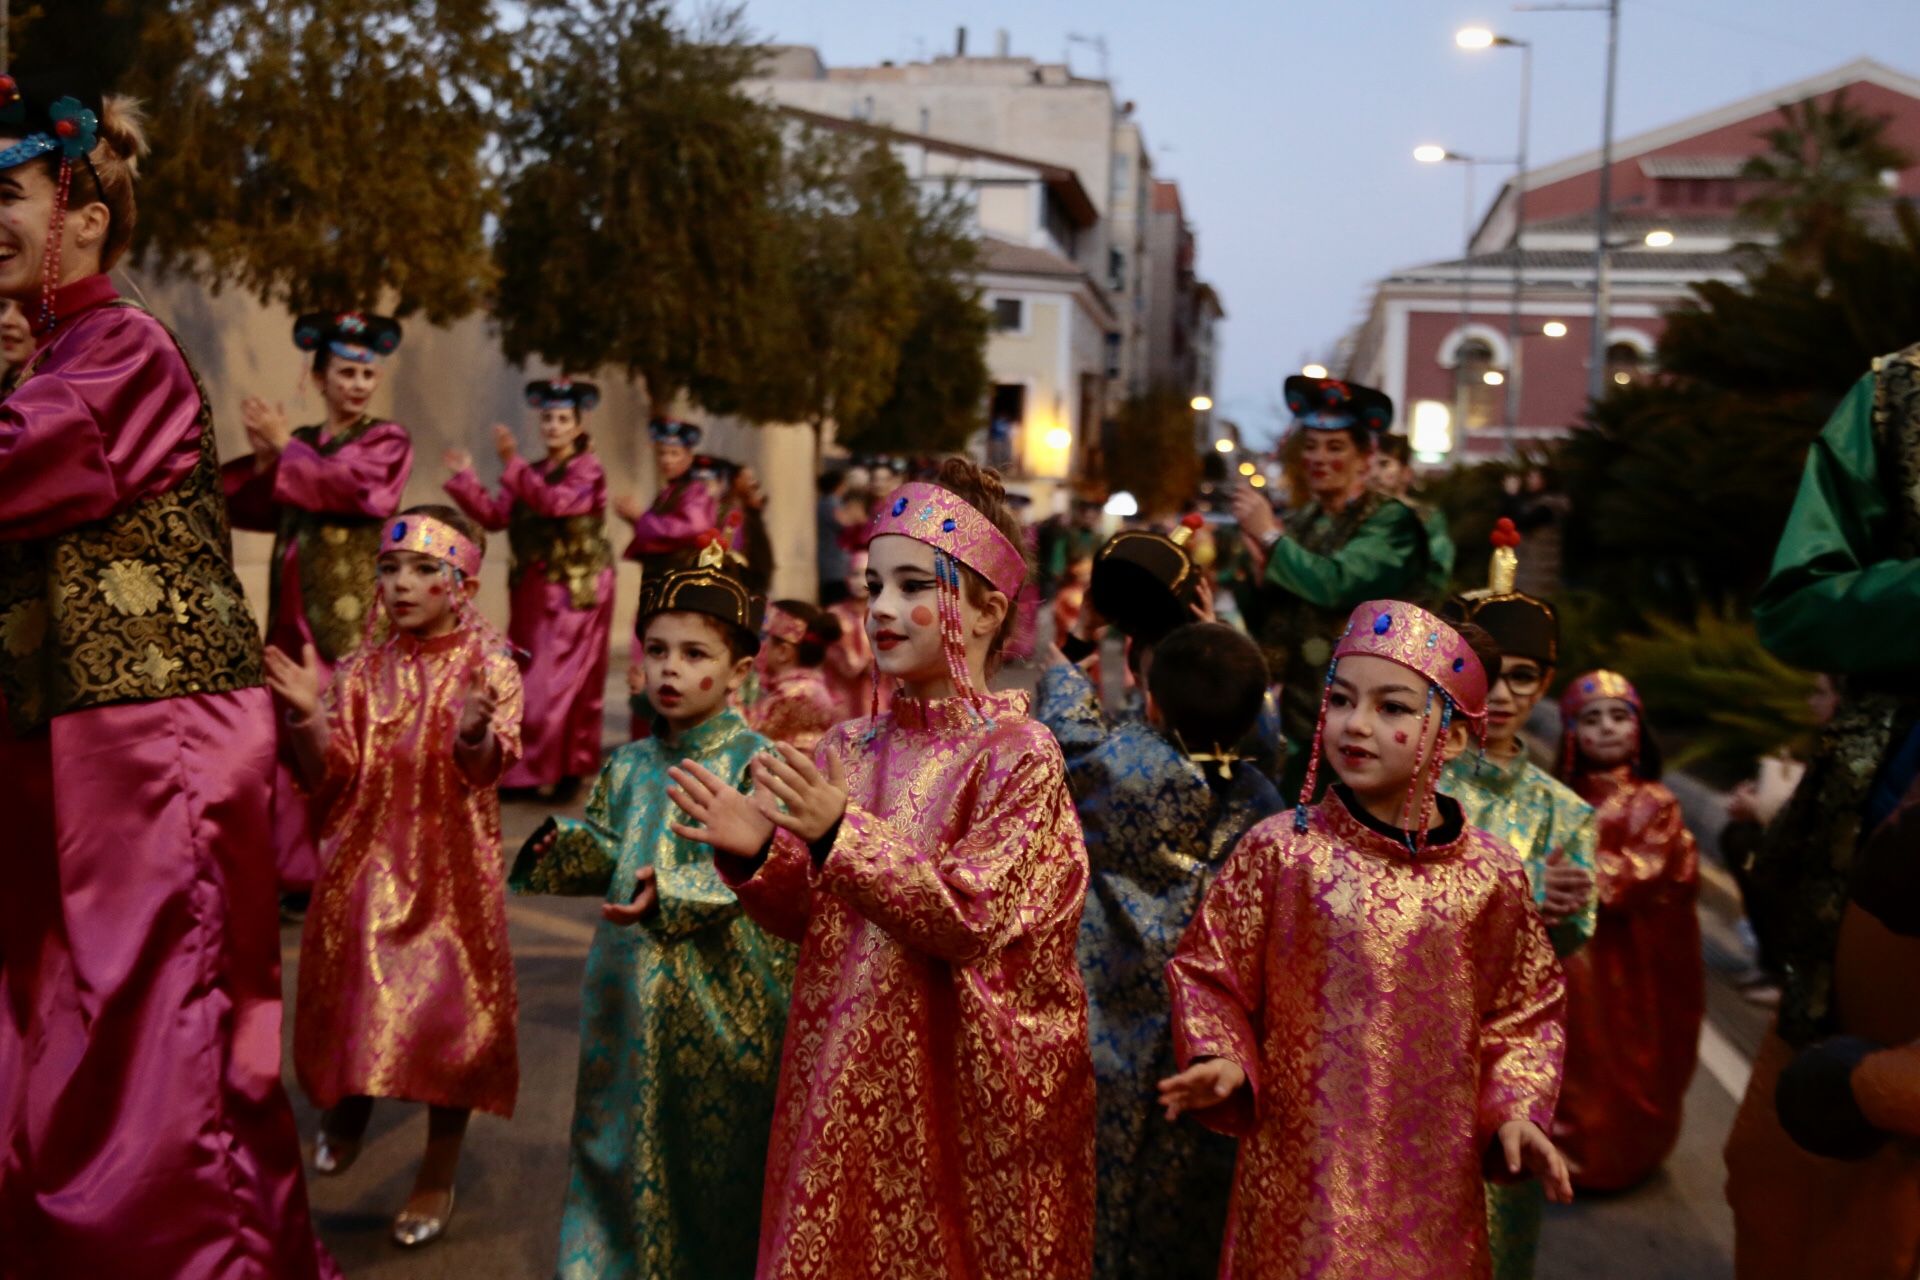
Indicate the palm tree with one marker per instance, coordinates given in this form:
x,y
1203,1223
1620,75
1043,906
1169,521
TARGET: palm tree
x,y
1822,167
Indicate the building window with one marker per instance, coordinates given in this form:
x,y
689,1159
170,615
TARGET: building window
x,y
1005,417
1009,315
1116,270
1625,364
1478,401
1113,355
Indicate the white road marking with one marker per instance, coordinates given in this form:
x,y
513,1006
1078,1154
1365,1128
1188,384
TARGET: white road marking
x,y
1726,1064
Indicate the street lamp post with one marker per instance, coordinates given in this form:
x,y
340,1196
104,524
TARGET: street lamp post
x,y
1432,154
1482,38
1603,209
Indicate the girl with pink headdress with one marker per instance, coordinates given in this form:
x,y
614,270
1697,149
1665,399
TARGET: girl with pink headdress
x,y
935,1109
795,704
1367,998
406,982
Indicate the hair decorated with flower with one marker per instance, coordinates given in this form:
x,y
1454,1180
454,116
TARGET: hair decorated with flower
x,y
1411,637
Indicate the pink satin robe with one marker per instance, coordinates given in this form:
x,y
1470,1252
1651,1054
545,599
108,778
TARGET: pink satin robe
x,y
1637,992
935,1110
680,513
795,707
849,666
406,982
144,1133
1390,1015
364,478
566,672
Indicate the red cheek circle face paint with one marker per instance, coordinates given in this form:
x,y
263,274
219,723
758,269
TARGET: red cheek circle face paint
x,y
1400,738
706,683
922,616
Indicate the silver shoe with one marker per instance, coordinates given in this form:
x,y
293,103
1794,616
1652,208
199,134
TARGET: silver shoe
x,y
334,1156
417,1230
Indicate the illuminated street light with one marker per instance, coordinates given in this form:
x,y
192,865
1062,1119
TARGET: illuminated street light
x,y
1059,438
1493,377
1200,404
1554,329
1258,482
1223,445
1474,38
1623,378
1429,153
1247,468
1314,371
1659,239
1122,504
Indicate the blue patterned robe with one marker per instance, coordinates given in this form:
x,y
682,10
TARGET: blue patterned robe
x,y
1157,828
1536,815
680,1026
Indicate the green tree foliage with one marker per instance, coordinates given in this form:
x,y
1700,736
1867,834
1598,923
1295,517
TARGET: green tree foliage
x,y
1151,451
937,400
637,231
323,153
1820,170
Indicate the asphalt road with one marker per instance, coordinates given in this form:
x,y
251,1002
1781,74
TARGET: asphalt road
x,y
513,1173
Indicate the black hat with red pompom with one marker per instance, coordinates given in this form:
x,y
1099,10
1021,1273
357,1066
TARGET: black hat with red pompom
x,y
1146,583
1522,625
351,335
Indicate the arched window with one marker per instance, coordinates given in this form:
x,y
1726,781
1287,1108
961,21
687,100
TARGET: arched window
x,y
1626,364
1477,401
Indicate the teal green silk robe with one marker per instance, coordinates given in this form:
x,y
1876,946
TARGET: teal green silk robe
x,y
1536,815
680,1029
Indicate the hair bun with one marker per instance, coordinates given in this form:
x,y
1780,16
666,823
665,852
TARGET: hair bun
x,y
123,129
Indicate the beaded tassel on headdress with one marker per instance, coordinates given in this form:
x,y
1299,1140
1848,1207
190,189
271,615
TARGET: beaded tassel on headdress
x,y
1313,759
953,641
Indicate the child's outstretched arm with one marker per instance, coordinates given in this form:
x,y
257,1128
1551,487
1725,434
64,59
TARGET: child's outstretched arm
x,y
298,684
1207,1083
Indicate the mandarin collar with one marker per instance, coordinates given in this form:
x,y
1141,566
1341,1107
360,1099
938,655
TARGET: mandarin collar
x,y
704,738
1344,823
69,300
957,715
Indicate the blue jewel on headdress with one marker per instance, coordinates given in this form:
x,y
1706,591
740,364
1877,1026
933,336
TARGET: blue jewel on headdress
x,y
1459,664
1433,639
1588,687
926,512
1382,624
399,530
899,505
947,525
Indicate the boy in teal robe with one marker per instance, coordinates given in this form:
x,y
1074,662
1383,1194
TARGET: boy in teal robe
x,y
685,999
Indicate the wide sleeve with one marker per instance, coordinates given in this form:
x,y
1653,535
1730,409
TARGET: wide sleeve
x,y
490,511
1834,601
1218,976
1385,558
364,477
1649,854
249,490
503,677
776,891
675,525
1523,1031
1579,848
581,489
1069,706
1012,859
342,705
112,417
1440,549
584,852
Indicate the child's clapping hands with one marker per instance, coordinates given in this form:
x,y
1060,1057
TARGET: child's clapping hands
x,y
741,825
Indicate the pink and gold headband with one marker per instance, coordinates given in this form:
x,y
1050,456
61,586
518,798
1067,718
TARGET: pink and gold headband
x,y
431,537
947,522
782,625
1593,687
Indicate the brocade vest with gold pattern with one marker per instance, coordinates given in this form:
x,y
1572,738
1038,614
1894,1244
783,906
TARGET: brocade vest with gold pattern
x,y
139,606
335,555
569,551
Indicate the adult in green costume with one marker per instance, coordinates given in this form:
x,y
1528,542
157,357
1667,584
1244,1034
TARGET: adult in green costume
x,y
1393,476
1349,543
1844,598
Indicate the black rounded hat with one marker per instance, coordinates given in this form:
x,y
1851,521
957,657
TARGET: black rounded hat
x,y
562,393
354,330
1145,583
1334,404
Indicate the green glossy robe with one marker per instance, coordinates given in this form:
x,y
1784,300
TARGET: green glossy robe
x,y
680,1026
1319,569
1843,597
1536,815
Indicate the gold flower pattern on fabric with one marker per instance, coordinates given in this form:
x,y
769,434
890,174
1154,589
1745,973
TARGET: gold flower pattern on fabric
x,y
1390,1014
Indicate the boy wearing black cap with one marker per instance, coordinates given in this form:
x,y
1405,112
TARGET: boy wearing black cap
x,y
1162,801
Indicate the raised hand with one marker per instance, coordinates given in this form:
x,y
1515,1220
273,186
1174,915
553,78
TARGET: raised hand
x,y
1203,599
266,424
1253,512
729,821
1206,1083
646,896
298,683
1568,888
476,713
1523,1146
504,444
457,460
629,508
814,801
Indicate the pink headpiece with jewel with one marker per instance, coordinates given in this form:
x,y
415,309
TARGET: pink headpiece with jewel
x,y
1593,687
1413,638
431,537
782,625
946,522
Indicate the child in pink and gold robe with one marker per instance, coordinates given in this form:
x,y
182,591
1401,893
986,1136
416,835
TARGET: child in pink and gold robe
x,y
795,705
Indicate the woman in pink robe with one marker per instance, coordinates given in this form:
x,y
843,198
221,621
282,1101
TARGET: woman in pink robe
x,y
684,509
561,612
322,491
144,1132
